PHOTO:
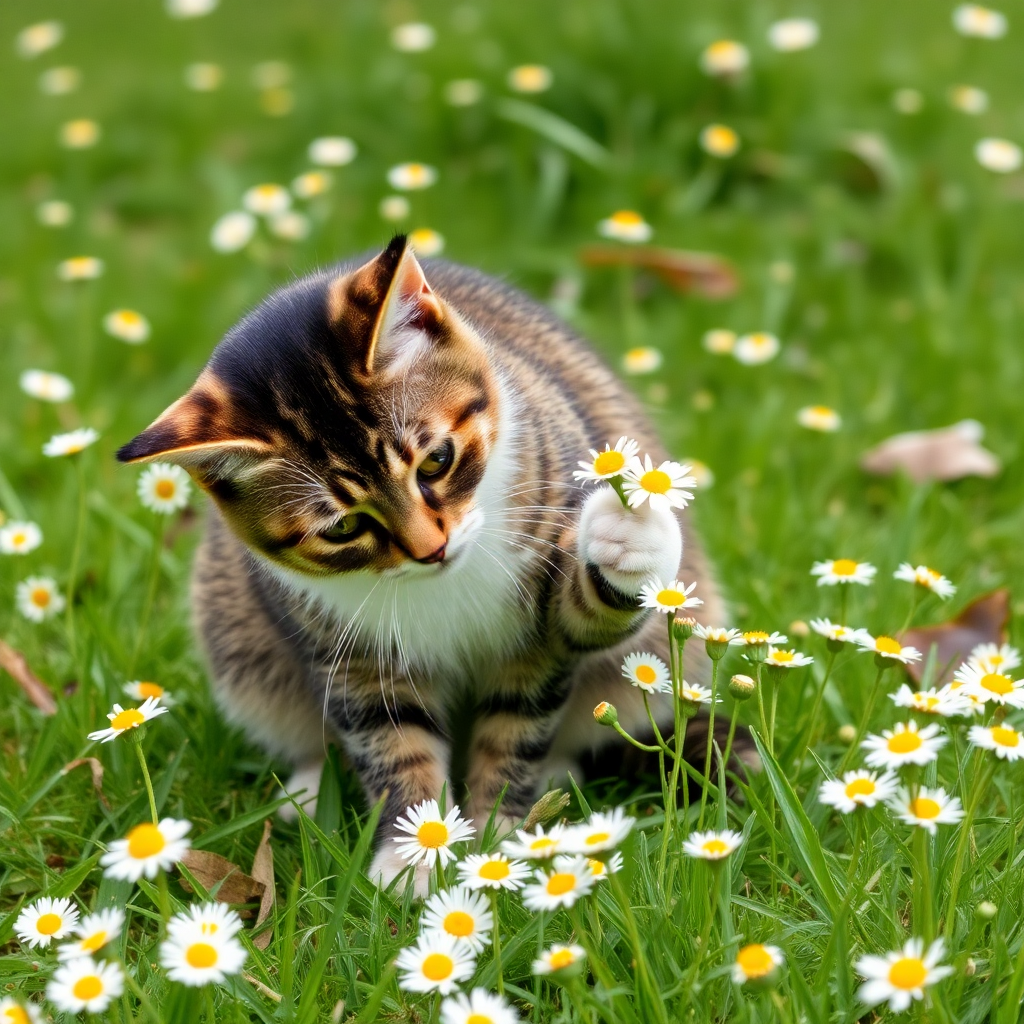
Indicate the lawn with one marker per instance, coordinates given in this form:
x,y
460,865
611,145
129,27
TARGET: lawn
x,y
862,232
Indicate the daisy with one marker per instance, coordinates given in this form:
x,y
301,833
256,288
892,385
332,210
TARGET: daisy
x,y
479,1007
820,418
641,360
694,693
81,133
843,570
80,268
530,78
759,638
536,845
647,672
724,58
994,687
625,226
163,488
982,22
19,538
602,869
755,349
719,342
332,151
491,871
718,635
998,155
603,831
12,1012
436,963
925,577
907,101
426,242
719,140
411,176
926,807
196,958
664,486
291,226
887,647
607,464
902,976
463,92
267,200
1004,740
994,657
37,598
71,443
213,920
944,702
703,476
605,714
143,691
84,984
38,38
905,744
123,720
558,958
55,213
413,37
47,387
233,231
834,632
712,845
858,788
672,597
190,8
311,184
968,99
45,921
756,961
778,658
204,76
93,932
430,834
127,325
570,879
146,849
461,913
792,34
60,81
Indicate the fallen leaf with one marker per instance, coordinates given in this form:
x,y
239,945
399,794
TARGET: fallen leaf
x,y
701,272
982,622
948,453
96,769
35,689
263,872
212,871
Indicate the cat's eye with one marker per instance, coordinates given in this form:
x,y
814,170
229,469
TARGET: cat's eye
x,y
438,461
345,528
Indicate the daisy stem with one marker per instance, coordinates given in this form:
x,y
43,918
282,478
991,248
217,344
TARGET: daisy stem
x,y
151,1011
154,576
675,674
710,741
211,1011
733,721
812,722
636,743
76,554
616,485
771,720
963,840
137,741
662,745
864,721
496,941
760,701
925,904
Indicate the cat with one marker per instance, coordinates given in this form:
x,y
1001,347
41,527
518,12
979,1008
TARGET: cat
x,y
395,529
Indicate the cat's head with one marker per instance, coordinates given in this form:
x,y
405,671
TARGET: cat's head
x,y
345,424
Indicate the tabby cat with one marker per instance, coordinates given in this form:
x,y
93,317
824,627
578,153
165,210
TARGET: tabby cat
x,y
395,533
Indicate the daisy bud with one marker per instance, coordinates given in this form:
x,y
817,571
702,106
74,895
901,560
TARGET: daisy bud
x,y
688,708
971,967
742,687
682,628
605,714
986,910
716,648
847,734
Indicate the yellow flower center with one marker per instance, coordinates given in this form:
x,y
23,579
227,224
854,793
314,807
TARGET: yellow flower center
x,y
609,462
18,539
479,1018
656,481
926,703
129,318
560,883
209,928
49,923
438,966
16,1015
1005,737
626,218
782,657
145,841
542,844
41,597
924,807
722,48
561,958
494,870
201,954
150,690
844,567
720,137
432,834
130,718
904,742
459,924
645,674
415,172
755,961
597,837
907,973
164,489
886,645
756,636
715,847
596,867
996,682
87,988
670,597
821,412
859,787
95,941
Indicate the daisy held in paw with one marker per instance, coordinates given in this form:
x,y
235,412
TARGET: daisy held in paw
x,y
663,486
647,672
201,947
1003,740
929,579
123,720
147,849
94,932
46,921
858,788
436,963
669,598
902,976
494,871
479,1007
464,915
905,744
843,570
431,834
609,464
570,879
712,845
926,808
84,984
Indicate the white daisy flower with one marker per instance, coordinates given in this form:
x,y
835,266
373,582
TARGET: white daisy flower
x,y
994,657
94,932
492,871
13,1012
674,596
412,176
212,920
332,151
718,635
999,155
202,76
431,835
756,961
47,387
84,984
38,38
127,325
479,1007
612,462
601,869
147,849
55,213
902,976
80,268
725,58
436,963
792,34
60,81
755,349
603,831
463,92
1005,741
267,200
642,359
858,788
925,577
19,538
413,37
760,638
719,342
887,647
123,720
38,598
833,631
233,231
990,687
926,807
982,22
843,570
291,226
426,242
719,140
311,184
190,8
625,226
712,845
570,879
195,958
82,133
536,845
530,78
45,921
647,672
142,691
694,693
664,486
820,418
558,958
944,702
968,99
905,744
71,443
164,488
779,658
462,914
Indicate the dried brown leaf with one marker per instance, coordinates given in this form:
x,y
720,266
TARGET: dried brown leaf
x,y
212,870
263,872
948,453
96,769
14,663
704,273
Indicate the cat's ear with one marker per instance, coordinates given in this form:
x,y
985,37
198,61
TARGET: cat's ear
x,y
386,307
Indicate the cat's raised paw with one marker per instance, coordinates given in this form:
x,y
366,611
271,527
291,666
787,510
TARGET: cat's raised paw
x,y
303,787
388,864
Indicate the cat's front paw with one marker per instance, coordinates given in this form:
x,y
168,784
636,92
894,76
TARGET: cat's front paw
x,y
388,864
629,547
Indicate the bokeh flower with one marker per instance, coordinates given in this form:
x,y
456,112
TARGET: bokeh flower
x,y
233,231
55,213
190,8
901,976
530,78
38,38
71,443
968,99
833,631
978,21
394,208
291,226
641,360
559,957
13,1012
267,200
60,81
203,76
712,845
127,325
80,268
924,577
719,140
819,417
725,58
792,34
85,984
625,226
38,598
413,37
755,349
843,570
19,538
755,962
479,1007
999,155
994,657
463,92
536,845
426,242
82,133
411,177
719,341
332,151
147,849
94,932
141,690
946,702
311,184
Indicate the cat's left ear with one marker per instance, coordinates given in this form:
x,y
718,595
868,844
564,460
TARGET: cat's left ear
x,y
386,308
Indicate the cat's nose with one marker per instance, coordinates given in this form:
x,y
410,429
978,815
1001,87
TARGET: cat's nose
x,y
434,556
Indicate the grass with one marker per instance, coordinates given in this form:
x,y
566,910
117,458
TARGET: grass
x,y
897,297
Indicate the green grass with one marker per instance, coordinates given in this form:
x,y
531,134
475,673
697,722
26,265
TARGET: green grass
x,y
904,311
